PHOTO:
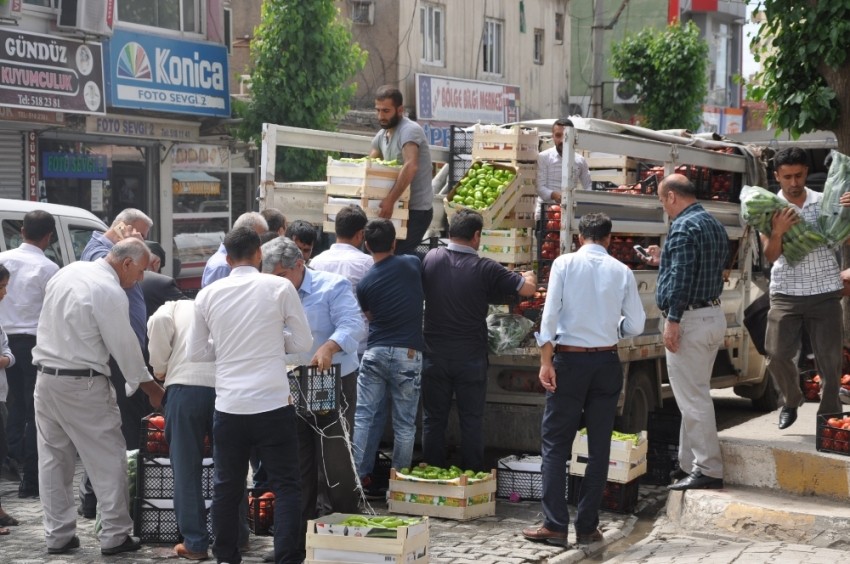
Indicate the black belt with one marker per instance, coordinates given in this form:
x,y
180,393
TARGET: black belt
x,y
68,371
573,349
698,305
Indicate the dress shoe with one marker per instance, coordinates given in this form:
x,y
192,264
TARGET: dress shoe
x,y
787,416
184,552
70,545
697,481
27,489
544,534
589,538
677,474
129,545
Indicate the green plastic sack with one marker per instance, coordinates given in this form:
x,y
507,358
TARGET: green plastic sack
x,y
132,469
834,220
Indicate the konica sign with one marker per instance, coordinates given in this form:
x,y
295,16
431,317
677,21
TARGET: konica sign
x,y
168,75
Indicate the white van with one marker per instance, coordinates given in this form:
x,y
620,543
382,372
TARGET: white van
x,y
74,228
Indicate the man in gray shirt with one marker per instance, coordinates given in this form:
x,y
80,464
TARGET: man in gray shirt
x,y
404,140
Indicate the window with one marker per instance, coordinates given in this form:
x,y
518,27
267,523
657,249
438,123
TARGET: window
x,y
431,26
363,12
559,28
538,46
179,15
493,46
13,240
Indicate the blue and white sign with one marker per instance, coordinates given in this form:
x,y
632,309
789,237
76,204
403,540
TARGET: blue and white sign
x,y
168,75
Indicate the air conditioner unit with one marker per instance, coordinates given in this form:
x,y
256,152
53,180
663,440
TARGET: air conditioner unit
x,y
11,9
625,93
91,17
579,106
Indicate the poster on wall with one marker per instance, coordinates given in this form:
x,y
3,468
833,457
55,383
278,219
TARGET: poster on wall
x,y
46,72
733,121
97,196
711,117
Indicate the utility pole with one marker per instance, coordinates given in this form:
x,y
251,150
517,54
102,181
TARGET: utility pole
x,y
596,78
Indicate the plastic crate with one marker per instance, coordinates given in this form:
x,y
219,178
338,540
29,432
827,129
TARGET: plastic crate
x,y
155,478
260,512
664,427
315,391
381,470
809,386
152,443
658,469
619,498
830,438
156,522
662,449
520,479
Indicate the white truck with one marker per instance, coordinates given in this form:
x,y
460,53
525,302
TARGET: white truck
x,y
515,402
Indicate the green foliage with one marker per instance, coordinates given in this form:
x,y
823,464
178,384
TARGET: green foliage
x,y
806,61
670,70
304,58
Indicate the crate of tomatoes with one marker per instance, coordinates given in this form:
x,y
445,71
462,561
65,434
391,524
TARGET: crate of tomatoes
x,y
152,442
833,433
260,511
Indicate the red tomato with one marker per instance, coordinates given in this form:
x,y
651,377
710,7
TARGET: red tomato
x,y
828,433
842,436
845,379
827,443
834,422
157,421
554,208
553,225
267,495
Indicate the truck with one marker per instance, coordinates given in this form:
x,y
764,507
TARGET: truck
x,y
515,401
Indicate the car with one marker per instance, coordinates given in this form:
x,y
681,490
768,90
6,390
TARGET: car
x,y
74,228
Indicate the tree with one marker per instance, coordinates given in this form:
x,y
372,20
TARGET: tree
x,y
669,69
304,59
805,71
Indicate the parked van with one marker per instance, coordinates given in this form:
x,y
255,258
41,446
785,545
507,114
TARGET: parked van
x,y
74,228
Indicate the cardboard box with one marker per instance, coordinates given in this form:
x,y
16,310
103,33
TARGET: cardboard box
x,y
504,144
459,499
327,541
362,180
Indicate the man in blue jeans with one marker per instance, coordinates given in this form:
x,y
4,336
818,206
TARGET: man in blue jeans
x,y
391,296
459,285
580,370
253,320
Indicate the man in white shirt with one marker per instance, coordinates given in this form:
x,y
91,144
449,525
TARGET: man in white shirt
x,y
85,319
345,257
30,271
217,266
247,323
549,168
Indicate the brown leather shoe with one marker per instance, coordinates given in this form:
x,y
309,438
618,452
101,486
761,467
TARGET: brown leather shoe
x,y
589,538
543,534
184,552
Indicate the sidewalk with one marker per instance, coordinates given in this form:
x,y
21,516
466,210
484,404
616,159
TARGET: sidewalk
x,y
489,540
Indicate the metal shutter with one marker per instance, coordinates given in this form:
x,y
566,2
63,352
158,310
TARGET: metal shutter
x,y
11,165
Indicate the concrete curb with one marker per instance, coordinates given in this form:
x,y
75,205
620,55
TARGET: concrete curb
x,y
579,553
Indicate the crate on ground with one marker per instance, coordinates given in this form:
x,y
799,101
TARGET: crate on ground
x,y
328,540
658,469
366,179
155,478
505,202
627,459
460,499
156,522
617,497
314,390
381,470
664,426
370,206
520,478
260,511
493,143
511,246
833,433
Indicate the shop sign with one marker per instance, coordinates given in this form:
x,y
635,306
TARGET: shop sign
x,y
49,73
193,156
459,101
168,75
73,165
147,128
31,116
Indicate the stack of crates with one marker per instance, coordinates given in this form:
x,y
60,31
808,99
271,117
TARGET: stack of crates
x,y
626,465
154,517
663,455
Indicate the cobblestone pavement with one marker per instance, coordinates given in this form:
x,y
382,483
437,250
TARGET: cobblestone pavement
x,y
495,539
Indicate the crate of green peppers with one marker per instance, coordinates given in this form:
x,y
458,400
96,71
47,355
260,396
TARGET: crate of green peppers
x,y
449,493
491,189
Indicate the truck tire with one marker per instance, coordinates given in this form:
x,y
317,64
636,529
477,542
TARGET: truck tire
x,y
768,400
640,401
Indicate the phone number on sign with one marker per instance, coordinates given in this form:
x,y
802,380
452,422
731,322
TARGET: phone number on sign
x,y
39,101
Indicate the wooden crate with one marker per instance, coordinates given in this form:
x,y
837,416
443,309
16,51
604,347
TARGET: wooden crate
x,y
327,543
503,144
507,246
495,214
627,460
335,203
458,492
617,169
362,180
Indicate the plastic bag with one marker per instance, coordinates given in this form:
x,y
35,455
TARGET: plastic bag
x,y
834,220
506,331
757,208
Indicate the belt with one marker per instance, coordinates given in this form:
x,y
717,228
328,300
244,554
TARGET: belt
x,y
697,305
572,349
68,372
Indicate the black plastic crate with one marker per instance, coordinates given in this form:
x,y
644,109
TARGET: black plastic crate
x,y
832,438
658,470
155,478
460,152
664,427
152,443
381,470
618,498
260,512
156,522
315,391
520,485
662,449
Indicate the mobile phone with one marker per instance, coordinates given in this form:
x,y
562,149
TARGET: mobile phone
x,y
643,252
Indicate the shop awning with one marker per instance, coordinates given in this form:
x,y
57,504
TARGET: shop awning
x,y
195,183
